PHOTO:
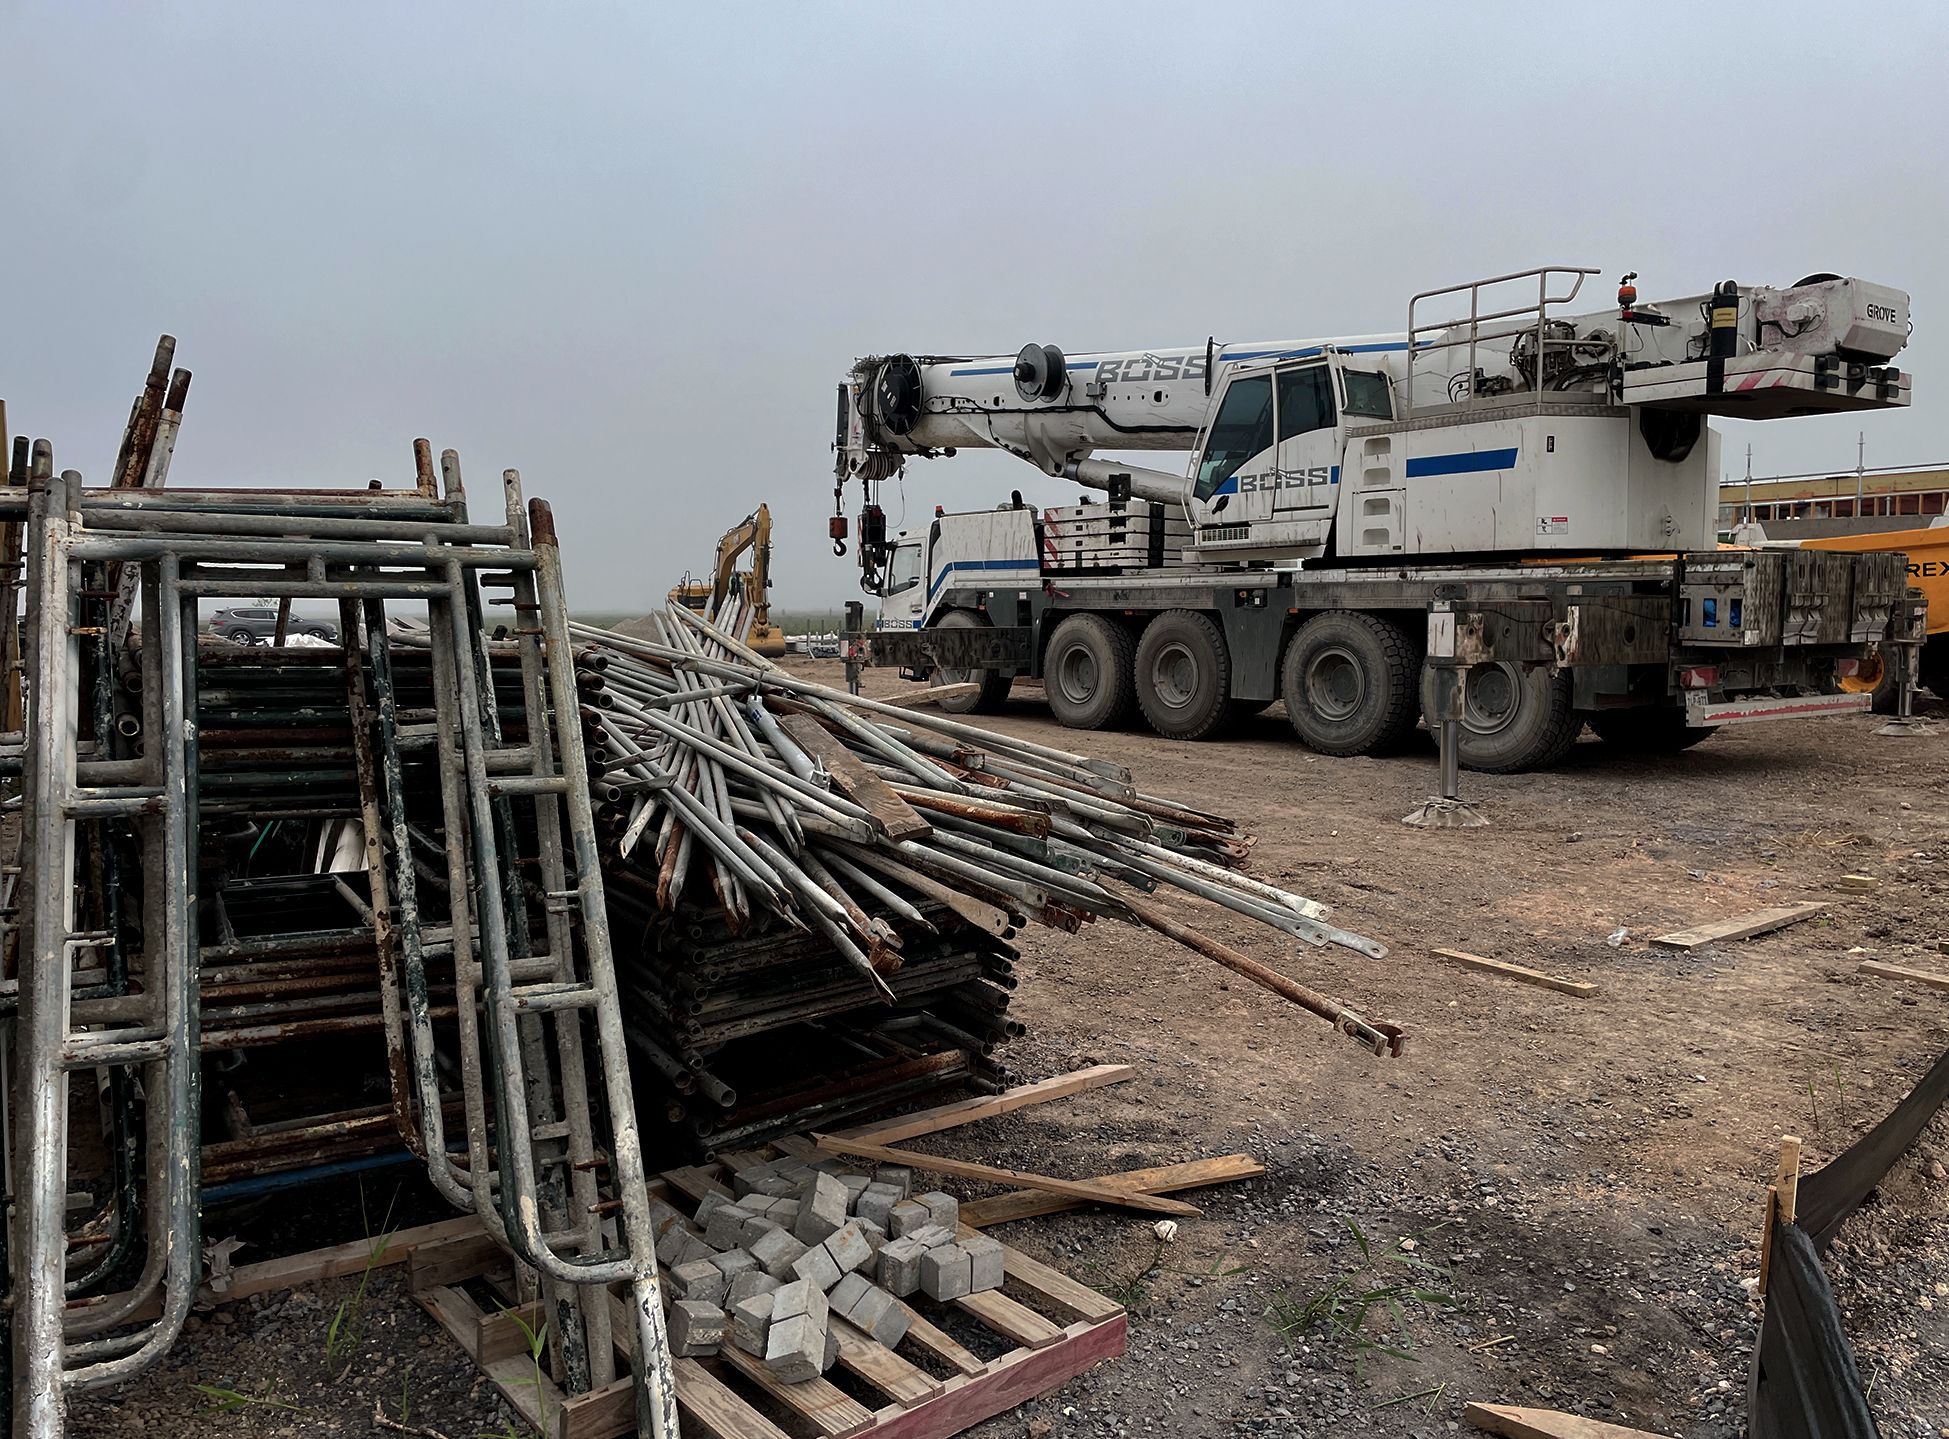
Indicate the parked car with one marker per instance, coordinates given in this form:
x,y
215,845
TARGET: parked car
x,y
257,625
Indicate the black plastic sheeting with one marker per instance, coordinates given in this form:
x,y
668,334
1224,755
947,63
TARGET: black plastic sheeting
x,y
1805,1384
1830,1195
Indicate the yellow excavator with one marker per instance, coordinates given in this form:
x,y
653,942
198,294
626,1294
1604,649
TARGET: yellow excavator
x,y
752,533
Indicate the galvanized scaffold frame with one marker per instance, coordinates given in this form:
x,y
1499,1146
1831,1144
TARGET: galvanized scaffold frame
x,y
518,833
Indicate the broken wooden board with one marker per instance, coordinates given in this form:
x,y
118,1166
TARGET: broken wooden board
x,y
1516,1422
1898,971
1165,1179
961,1169
1518,972
931,695
1740,926
858,783
967,1111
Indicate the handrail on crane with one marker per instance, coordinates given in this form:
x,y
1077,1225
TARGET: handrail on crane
x,y
1477,317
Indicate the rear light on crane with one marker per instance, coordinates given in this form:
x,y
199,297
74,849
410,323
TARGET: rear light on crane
x,y
1698,677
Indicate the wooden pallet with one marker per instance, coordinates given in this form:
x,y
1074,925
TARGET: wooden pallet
x,y
960,1363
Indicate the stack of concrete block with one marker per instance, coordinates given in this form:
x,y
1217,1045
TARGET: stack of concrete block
x,y
766,1270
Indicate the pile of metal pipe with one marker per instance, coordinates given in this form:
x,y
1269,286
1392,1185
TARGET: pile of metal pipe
x,y
873,860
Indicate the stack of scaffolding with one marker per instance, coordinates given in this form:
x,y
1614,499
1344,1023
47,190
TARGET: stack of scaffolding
x,y
290,872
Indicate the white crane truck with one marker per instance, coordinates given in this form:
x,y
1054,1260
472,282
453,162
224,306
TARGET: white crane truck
x,y
1532,490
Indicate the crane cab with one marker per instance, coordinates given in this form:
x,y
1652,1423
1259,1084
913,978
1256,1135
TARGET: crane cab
x,y
1266,473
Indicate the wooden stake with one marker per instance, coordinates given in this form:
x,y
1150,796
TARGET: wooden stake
x,y
1518,972
1782,1202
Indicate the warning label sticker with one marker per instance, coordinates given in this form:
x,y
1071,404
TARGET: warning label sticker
x,y
1553,524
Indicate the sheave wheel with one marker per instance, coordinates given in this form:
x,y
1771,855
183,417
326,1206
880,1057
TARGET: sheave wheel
x,y
1514,717
1183,672
1348,683
1087,673
994,687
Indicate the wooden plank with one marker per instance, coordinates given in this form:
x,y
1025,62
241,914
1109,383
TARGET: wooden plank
x,y
433,1266
270,1275
1516,1422
916,698
1008,1317
513,1378
499,1334
830,1410
1897,971
1165,1179
1055,1288
1740,926
710,1408
879,1366
925,1336
1518,972
962,1169
858,783
967,1111
696,1181
1012,1380
599,1414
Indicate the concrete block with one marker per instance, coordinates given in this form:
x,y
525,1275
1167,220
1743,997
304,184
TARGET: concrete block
x,y
946,1272
795,1349
932,1236
855,1186
899,1269
775,1252
755,1228
708,1206
816,1266
726,1227
945,1208
849,1248
699,1279
733,1262
832,1349
752,1281
897,1175
696,1328
663,1215
907,1216
822,1208
985,1261
882,1316
876,1203
846,1293
773,1186
680,1246
801,1296
751,1324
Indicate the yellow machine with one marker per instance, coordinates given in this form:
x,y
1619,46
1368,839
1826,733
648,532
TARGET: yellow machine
x,y
752,533
1928,570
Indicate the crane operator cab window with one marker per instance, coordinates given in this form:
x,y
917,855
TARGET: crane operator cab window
x,y
1368,395
1305,401
903,569
1242,429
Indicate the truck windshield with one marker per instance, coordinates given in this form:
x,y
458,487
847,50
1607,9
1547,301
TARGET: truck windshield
x,y
1368,394
903,569
1243,429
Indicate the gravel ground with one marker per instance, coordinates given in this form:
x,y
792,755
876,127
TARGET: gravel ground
x,y
1580,1180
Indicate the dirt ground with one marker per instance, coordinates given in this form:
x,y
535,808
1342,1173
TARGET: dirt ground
x,y
1573,1185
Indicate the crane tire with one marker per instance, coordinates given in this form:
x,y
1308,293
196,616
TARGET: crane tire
x,y
993,693
1184,675
1348,681
1514,717
1646,730
1088,673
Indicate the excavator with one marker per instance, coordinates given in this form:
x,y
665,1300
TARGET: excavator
x,y
729,583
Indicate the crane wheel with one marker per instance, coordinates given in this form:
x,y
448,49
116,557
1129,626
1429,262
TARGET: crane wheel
x,y
1514,717
1644,729
1088,673
993,693
1349,683
1184,675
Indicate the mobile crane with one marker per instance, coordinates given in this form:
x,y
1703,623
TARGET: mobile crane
x,y
1530,488
752,533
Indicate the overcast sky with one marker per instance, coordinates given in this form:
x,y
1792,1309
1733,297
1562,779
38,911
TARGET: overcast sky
x,y
630,249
